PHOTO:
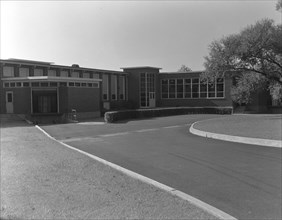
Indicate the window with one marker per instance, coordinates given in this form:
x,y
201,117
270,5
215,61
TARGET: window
x,y
8,71
105,85
164,88
26,84
53,84
35,84
121,85
188,88
38,72
75,74
86,75
211,90
95,85
203,89
18,84
51,73
71,83
23,72
9,97
12,84
191,88
64,73
171,88
6,85
44,101
44,84
220,88
179,88
63,84
95,75
195,88
114,87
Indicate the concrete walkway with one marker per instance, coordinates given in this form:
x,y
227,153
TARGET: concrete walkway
x,y
42,179
257,129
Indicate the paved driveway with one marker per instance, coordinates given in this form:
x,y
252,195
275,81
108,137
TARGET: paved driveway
x,y
242,180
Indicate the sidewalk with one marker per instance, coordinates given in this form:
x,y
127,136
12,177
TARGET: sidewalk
x,y
41,179
265,130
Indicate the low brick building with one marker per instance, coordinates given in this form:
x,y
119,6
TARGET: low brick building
x,y
42,89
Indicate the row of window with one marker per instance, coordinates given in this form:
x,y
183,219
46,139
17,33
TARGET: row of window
x,y
8,71
191,88
50,84
117,85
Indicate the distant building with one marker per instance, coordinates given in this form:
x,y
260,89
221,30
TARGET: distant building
x,y
37,89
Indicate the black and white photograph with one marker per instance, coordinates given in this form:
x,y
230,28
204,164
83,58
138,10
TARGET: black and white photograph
x,y
142,109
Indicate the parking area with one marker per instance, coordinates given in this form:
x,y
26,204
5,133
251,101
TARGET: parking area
x,y
241,180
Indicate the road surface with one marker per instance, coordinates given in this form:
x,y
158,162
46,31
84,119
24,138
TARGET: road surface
x,y
241,180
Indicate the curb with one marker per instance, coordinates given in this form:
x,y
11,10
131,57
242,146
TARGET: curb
x,y
237,139
194,201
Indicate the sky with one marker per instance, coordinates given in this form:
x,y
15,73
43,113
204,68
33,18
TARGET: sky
x,y
115,34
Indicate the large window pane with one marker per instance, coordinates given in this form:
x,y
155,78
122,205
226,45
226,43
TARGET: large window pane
x,y
38,72
172,88
105,86
114,87
195,88
211,90
179,88
8,71
64,73
203,90
75,74
51,73
121,85
164,88
220,88
188,88
23,72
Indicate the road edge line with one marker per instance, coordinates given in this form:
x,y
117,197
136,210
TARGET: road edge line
x,y
194,201
236,139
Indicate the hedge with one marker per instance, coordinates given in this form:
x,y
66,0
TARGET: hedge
x,y
114,116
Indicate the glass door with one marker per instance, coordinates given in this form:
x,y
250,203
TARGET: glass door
x,y
147,90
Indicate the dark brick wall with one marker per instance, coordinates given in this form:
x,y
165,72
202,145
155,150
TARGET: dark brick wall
x,y
63,100
21,100
84,99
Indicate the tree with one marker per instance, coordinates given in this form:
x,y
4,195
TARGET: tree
x,y
256,50
184,69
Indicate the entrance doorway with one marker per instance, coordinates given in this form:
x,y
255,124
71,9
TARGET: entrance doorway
x,y
44,101
9,102
147,90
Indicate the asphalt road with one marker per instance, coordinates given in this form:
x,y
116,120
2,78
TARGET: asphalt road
x,y
241,180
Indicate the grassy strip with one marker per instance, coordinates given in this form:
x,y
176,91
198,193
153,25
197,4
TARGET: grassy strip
x,y
113,116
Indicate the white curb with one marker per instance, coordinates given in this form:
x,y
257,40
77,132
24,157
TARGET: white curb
x,y
200,204
238,139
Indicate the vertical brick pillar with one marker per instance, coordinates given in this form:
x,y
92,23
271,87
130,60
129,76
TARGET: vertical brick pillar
x,y
17,70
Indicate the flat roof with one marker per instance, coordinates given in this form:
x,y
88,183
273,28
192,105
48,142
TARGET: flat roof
x,y
52,65
140,67
182,72
30,61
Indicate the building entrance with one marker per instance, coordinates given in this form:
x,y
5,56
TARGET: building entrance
x,y
44,101
147,90
9,102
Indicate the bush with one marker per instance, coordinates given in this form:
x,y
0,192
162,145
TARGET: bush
x,y
114,116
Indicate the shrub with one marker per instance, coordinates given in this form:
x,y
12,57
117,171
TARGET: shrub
x,y
114,116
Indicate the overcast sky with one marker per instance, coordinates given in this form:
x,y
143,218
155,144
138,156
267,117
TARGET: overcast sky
x,y
114,34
